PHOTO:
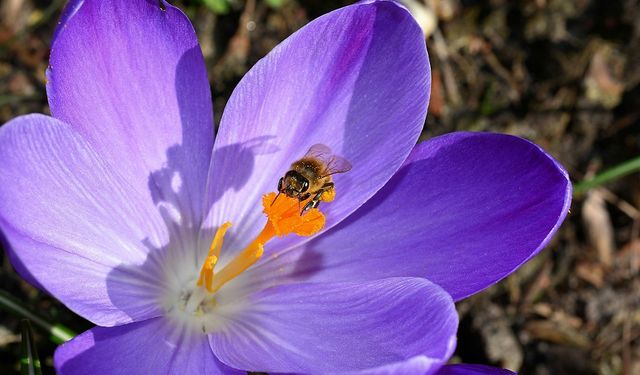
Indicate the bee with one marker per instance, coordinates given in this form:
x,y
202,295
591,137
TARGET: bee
x,y
310,176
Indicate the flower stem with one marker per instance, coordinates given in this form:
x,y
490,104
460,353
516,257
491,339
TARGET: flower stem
x,y
614,173
58,333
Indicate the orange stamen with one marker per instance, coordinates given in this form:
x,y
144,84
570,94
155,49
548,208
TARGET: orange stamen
x,y
206,273
284,215
283,218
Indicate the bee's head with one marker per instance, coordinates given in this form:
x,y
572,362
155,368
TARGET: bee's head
x,y
293,184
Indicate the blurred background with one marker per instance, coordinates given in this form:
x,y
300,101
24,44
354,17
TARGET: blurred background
x,y
564,74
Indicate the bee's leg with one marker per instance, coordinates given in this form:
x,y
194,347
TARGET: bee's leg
x,y
303,197
313,203
320,196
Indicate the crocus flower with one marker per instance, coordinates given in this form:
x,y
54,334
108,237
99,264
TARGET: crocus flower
x,y
123,207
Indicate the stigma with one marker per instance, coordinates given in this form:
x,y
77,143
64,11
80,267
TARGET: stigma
x,y
283,219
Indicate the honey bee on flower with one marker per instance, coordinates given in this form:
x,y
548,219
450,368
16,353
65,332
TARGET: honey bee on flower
x,y
310,177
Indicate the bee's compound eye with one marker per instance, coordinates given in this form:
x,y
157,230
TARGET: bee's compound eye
x,y
305,186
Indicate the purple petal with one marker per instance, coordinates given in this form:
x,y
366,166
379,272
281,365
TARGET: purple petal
x,y
335,327
419,365
71,221
131,79
466,210
356,79
464,369
154,346
69,11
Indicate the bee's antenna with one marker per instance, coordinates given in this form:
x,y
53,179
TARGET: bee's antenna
x,y
274,199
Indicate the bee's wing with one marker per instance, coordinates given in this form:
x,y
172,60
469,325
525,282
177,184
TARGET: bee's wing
x,y
320,151
335,164
338,164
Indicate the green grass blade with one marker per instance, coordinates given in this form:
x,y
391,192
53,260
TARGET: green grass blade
x,y
609,175
218,6
276,3
29,361
57,332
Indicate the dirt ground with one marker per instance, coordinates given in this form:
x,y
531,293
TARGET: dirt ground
x,y
564,74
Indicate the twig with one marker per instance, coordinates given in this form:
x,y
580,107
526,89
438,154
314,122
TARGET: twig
x,y
447,73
